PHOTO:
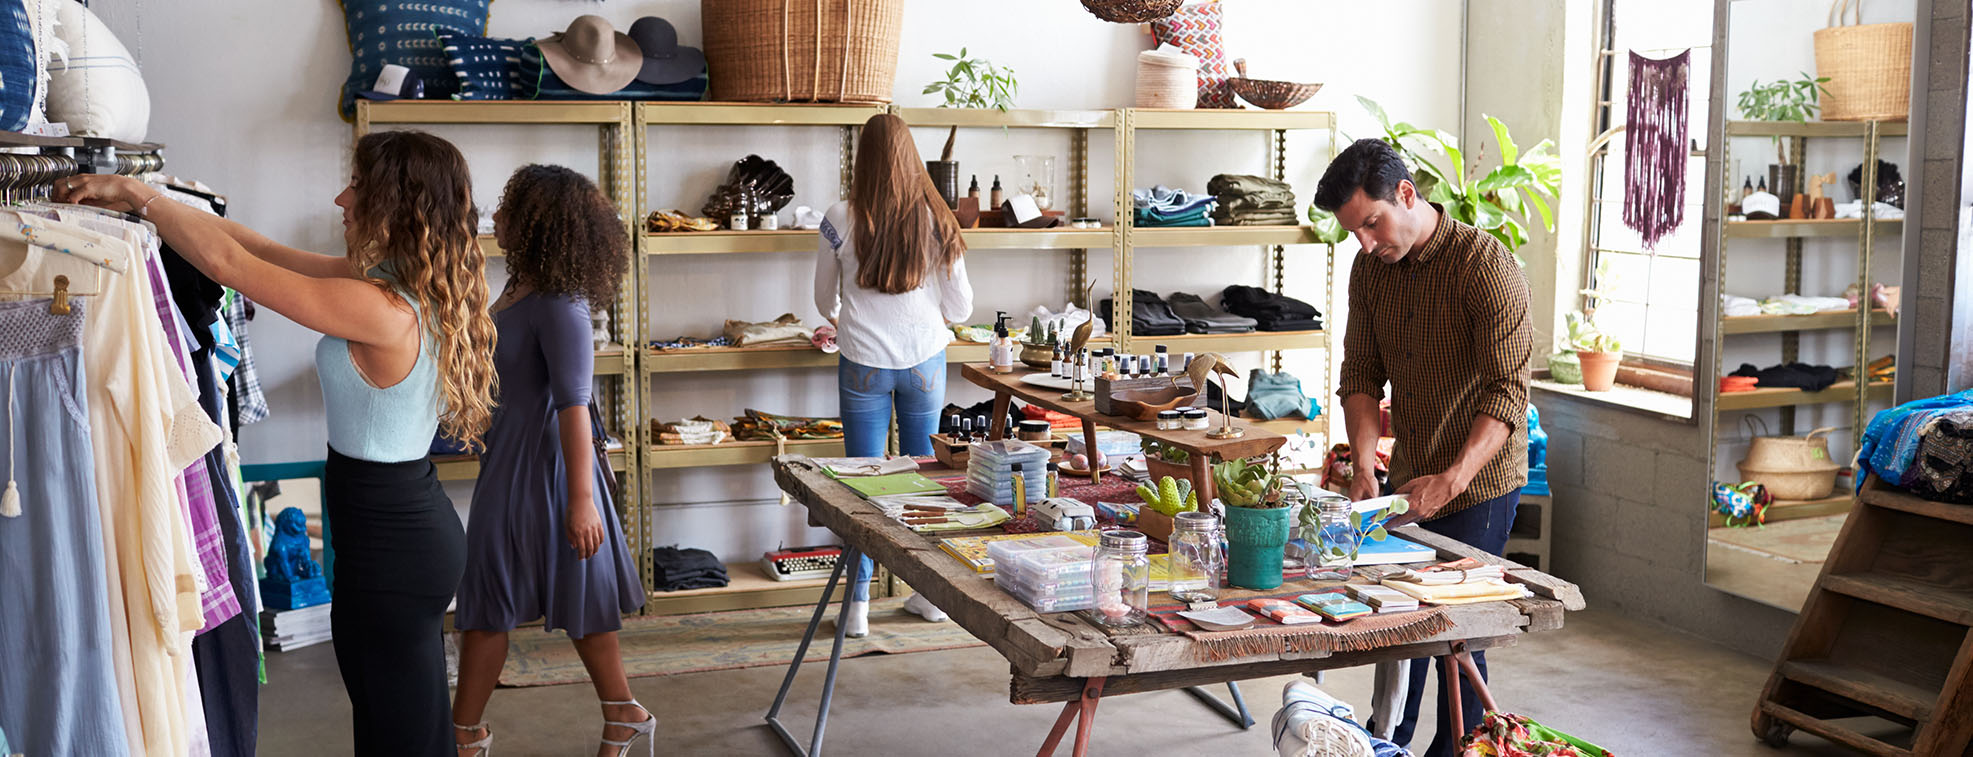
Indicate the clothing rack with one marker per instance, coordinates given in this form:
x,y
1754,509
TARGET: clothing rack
x,y
30,176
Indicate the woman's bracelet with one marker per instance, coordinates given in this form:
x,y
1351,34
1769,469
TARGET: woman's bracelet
x,y
143,210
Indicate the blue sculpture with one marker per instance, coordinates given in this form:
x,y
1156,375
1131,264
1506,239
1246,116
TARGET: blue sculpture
x,y
294,580
1537,439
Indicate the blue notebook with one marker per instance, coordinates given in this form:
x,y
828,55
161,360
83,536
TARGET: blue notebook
x,y
1392,550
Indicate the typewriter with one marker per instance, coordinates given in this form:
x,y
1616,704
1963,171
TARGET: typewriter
x,y
800,563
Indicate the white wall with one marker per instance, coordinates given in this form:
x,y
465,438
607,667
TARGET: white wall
x,y
244,95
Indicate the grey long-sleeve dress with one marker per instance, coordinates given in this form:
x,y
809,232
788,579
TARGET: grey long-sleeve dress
x,y
519,565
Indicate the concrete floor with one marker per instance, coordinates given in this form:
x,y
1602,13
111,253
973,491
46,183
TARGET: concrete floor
x,y
1636,689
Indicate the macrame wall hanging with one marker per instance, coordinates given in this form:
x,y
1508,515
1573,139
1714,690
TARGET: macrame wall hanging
x,y
1655,148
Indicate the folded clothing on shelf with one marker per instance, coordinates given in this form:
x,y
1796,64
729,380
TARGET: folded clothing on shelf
x,y
1244,200
1795,304
690,343
690,431
1883,369
674,569
1270,310
1738,384
1149,315
786,329
1735,306
1814,378
1277,395
1201,318
1154,219
1168,200
757,426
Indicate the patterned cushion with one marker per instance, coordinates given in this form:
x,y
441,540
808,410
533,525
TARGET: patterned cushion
x,y
1196,30
487,68
401,32
19,61
539,82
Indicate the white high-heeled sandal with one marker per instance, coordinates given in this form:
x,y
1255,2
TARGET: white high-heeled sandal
x,y
646,728
485,744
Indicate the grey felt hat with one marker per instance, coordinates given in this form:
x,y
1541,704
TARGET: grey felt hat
x,y
665,61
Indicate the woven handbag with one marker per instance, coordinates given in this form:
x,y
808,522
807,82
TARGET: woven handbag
x,y
1868,65
802,50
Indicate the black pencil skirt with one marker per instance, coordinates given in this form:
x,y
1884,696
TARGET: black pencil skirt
x,y
399,553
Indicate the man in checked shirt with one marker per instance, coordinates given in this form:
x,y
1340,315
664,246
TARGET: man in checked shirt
x,y
1439,310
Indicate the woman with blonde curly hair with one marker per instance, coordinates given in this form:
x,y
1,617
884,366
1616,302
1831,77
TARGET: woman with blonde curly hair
x,y
543,539
407,350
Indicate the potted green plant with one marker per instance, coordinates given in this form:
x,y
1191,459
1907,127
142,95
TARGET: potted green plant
x,y
1162,460
1783,100
1257,522
1597,351
970,83
1502,203
1162,504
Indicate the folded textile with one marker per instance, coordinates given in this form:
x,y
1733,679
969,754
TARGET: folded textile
x,y
1271,311
1163,198
674,569
866,466
1277,395
1814,378
1148,215
1882,211
690,343
1311,723
1149,315
1225,184
1285,219
1891,440
1738,384
692,431
1943,467
1445,575
1266,202
1201,318
1734,306
1795,304
1290,324
1186,222
786,329
757,426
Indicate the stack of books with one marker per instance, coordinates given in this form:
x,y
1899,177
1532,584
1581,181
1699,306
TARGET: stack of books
x,y
1382,599
284,630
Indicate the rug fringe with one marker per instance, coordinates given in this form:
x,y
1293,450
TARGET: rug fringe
x,y
1220,646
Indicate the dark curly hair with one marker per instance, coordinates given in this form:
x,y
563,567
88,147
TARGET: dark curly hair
x,y
561,235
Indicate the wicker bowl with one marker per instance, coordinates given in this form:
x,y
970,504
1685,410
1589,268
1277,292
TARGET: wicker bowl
x,y
1132,11
1273,95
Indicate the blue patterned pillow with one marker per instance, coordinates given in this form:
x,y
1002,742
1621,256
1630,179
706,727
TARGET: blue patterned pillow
x,y
486,68
539,82
18,64
401,32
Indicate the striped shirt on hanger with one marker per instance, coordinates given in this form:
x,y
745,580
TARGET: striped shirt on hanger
x,y
1447,327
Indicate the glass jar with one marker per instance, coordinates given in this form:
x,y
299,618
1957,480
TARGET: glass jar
x,y
1196,420
1169,420
1331,536
1121,575
1196,557
1037,178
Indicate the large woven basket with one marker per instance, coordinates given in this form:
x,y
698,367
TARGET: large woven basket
x,y
1792,467
1167,80
1868,65
1132,11
802,50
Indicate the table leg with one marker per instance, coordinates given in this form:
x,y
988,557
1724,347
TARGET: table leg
x,y
1083,708
1089,442
998,425
1465,659
1236,713
814,749
1387,698
1455,712
1202,481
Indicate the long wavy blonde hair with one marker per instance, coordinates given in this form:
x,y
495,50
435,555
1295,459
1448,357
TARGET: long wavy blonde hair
x,y
416,223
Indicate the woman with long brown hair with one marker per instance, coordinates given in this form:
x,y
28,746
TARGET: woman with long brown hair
x,y
543,539
890,274
406,351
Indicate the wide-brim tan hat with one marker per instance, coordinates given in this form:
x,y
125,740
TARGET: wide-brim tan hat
x,y
591,56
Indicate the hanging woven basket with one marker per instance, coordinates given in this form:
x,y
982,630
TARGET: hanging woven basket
x,y
1868,65
1132,11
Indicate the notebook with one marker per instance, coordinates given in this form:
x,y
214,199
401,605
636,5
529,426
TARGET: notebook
x,y
892,485
972,550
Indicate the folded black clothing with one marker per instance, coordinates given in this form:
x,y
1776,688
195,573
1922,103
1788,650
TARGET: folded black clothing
x,y
1201,318
1289,324
1149,315
1262,305
675,569
1814,378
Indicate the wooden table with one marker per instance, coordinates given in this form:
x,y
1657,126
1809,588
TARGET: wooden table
x,y
1059,657
1198,447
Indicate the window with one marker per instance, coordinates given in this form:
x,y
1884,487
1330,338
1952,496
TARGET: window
x,y
1647,298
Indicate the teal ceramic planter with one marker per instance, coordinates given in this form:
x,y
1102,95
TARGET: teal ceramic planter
x,y
1254,542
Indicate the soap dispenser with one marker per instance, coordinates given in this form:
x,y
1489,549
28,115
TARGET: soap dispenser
x,y
1000,354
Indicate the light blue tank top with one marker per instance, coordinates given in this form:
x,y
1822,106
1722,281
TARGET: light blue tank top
x,y
389,425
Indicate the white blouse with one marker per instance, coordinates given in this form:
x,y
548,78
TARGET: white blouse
x,y
893,331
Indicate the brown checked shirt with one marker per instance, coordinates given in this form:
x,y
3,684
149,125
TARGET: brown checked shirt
x,y
1448,328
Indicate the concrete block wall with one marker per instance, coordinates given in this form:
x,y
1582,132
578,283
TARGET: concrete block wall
x,y
1936,239
1630,522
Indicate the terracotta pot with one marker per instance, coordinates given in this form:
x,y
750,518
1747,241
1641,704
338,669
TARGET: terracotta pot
x,y
1159,468
1599,369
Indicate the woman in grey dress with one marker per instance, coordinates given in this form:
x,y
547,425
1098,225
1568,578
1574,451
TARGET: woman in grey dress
x,y
542,539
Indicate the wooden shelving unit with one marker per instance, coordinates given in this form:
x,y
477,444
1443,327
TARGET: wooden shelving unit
x,y
1809,228
1781,324
1841,391
467,467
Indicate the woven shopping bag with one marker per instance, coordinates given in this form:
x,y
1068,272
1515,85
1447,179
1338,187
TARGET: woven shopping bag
x,y
1868,66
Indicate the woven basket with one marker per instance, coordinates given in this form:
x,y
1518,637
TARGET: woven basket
x,y
1132,11
1791,467
1268,94
1167,80
1868,65
802,50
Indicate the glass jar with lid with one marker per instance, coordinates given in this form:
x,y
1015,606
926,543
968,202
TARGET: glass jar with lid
x,y
1197,555
1121,577
1331,534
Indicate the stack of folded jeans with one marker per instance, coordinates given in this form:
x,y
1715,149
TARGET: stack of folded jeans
x,y
1201,318
1252,201
1149,315
1271,311
675,569
1164,206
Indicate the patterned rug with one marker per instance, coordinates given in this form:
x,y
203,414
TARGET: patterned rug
x,y
1804,540
675,644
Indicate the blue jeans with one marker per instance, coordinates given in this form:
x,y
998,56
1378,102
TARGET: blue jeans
x,y
866,397
1483,526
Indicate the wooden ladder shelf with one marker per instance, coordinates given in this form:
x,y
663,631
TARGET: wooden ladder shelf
x,y
1884,635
